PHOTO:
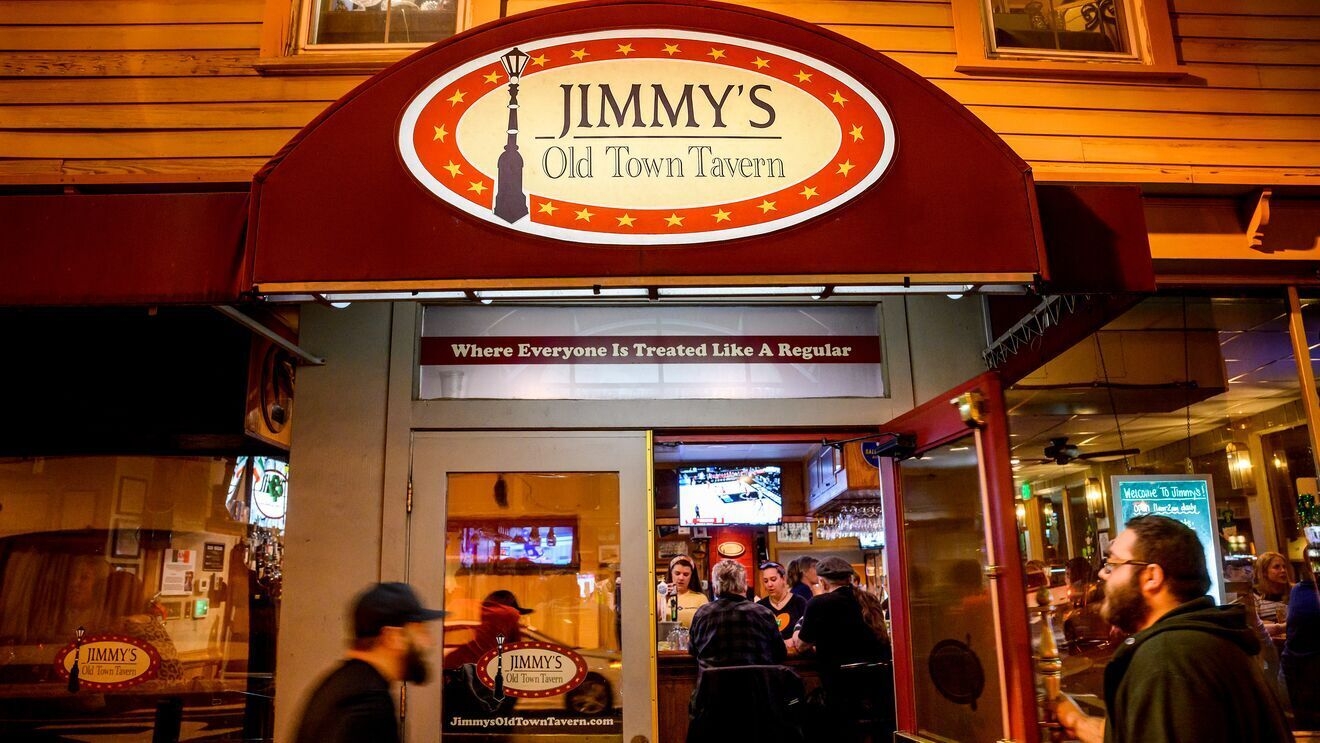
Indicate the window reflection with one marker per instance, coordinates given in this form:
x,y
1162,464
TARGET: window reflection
x,y
532,581
1071,25
149,557
383,21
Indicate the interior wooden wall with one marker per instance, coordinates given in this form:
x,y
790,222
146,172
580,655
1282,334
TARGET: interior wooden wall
x,y
141,91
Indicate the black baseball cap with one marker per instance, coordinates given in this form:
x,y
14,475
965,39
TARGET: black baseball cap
x,y
507,599
835,568
388,605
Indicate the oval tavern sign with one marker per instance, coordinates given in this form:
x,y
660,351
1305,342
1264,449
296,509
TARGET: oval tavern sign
x,y
532,669
646,136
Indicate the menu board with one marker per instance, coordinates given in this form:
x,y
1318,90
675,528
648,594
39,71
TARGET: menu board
x,y
1186,498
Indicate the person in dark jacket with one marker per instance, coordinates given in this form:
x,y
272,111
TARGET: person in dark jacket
x,y
732,631
1301,652
353,702
1189,671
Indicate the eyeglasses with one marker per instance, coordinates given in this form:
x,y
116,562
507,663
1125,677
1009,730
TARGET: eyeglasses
x,y
1110,566
768,564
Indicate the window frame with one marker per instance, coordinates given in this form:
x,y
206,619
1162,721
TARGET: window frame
x,y
286,27
1150,37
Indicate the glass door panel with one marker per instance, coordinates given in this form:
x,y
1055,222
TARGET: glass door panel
x,y
954,639
522,535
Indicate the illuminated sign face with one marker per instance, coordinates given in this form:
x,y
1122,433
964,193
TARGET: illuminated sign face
x,y
646,136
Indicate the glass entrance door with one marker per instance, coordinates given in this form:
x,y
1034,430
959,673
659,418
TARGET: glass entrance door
x,y
962,661
526,538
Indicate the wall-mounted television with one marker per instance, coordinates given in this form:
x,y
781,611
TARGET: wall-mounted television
x,y
532,544
717,495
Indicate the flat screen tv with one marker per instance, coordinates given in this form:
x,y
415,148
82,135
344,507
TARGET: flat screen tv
x,y
533,544
718,495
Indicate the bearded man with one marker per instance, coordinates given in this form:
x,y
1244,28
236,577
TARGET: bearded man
x,y
390,644
1188,671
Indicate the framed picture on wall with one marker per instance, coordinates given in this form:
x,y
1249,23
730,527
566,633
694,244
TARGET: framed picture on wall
x,y
132,496
125,539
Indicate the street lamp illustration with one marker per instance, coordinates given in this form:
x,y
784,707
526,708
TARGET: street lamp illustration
x,y
499,668
510,201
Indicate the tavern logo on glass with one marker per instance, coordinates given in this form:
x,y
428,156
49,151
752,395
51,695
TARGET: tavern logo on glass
x,y
646,137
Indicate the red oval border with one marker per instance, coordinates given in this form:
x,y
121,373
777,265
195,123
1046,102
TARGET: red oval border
x,y
433,138
578,661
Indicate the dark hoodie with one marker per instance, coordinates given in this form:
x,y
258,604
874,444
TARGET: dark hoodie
x,y
496,619
1192,676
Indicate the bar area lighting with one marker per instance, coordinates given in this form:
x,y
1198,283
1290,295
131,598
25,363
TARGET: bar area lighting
x,y
1095,497
1239,465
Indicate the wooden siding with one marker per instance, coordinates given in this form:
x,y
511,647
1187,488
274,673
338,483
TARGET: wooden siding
x,y
104,91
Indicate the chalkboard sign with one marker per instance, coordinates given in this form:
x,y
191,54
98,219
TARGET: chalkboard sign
x,y
213,557
1186,498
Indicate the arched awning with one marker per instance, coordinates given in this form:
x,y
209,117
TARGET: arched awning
x,y
361,197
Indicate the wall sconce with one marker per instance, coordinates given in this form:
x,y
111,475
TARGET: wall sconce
x,y
1095,497
1239,465
1020,510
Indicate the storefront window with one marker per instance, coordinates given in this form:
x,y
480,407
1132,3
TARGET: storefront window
x,y
378,22
532,640
157,579
1203,390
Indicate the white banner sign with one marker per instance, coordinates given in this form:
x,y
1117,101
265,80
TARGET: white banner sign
x,y
639,353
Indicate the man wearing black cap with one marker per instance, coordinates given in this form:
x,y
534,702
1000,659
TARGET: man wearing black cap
x,y
390,641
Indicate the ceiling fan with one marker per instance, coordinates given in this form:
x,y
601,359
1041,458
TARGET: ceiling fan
x,y
1060,451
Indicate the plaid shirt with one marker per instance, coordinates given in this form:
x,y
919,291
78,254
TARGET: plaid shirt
x,y
732,631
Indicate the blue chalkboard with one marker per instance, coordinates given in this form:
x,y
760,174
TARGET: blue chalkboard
x,y
1187,498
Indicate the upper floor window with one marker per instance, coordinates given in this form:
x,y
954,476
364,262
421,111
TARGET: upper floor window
x,y
341,36
1090,37
1092,26
377,22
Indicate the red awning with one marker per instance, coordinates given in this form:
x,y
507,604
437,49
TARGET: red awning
x,y
338,209
123,249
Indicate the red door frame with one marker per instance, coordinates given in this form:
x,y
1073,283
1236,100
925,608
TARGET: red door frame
x,y
936,423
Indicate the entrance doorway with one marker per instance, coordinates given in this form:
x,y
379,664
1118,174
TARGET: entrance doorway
x,y
530,538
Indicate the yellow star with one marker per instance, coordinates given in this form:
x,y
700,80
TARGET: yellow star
x,y
440,133
807,192
845,166
584,215
715,53
626,221
625,49
540,60
803,77
477,186
839,99
580,54
547,208
454,169
493,77
766,206
721,216
670,49
456,98
761,64
856,133
673,220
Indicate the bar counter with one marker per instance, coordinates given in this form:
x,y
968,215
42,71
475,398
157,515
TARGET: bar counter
x,y
676,677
